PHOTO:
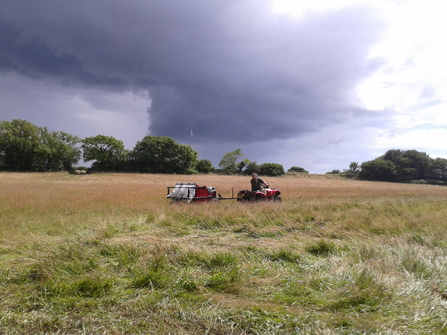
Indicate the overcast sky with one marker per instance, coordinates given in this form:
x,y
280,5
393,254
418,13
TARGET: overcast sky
x,y
315,84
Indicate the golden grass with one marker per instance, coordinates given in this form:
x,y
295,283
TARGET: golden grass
x,y
58,203
336,256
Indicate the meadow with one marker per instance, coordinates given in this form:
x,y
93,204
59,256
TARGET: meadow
x,y
109,254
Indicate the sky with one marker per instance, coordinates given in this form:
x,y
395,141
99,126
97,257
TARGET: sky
x,y
315,84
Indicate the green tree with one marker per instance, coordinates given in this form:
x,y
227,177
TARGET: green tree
x,y
19,142
271,169
410,164
401,166
161,154
333,172
106,152
297,169
353,171
378,169
58,151
438,169
204,166
230,160
251,168
69,152
419,162
26,147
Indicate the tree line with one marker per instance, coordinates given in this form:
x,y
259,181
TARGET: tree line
x,y
399,166
27,147
234,162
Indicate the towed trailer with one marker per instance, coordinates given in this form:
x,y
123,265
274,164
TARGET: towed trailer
x,y
193,193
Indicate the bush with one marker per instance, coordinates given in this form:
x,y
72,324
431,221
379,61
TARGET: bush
x,y
204,166
191,171
251,168
297,169
271,169
378,170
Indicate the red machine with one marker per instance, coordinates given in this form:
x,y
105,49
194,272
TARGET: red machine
x,y
266,194
193,193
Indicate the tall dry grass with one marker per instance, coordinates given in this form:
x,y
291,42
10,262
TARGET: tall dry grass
x,y
335,257
53,205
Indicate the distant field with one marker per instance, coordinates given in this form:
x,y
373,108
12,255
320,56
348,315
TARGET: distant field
x,y
109,254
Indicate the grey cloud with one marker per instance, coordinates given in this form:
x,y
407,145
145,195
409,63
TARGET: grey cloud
x,y
227,70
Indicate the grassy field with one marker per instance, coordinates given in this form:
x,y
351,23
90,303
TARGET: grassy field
x,y
109,254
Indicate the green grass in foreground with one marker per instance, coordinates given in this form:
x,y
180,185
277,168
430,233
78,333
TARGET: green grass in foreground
x,y
339,266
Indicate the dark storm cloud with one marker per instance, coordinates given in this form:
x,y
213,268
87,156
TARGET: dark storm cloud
x,y
222,70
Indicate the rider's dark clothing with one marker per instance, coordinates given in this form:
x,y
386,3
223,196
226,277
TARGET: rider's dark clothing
x,y
256,184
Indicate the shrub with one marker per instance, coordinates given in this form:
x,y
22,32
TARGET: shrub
x,y
271,169
297,169
204,166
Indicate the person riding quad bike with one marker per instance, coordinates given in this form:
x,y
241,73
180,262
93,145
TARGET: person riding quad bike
x,y
260,191
257,184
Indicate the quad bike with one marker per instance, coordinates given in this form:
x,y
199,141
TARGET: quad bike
x,y
265,194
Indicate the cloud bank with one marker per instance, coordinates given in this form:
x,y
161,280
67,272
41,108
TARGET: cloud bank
x,y
213,74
